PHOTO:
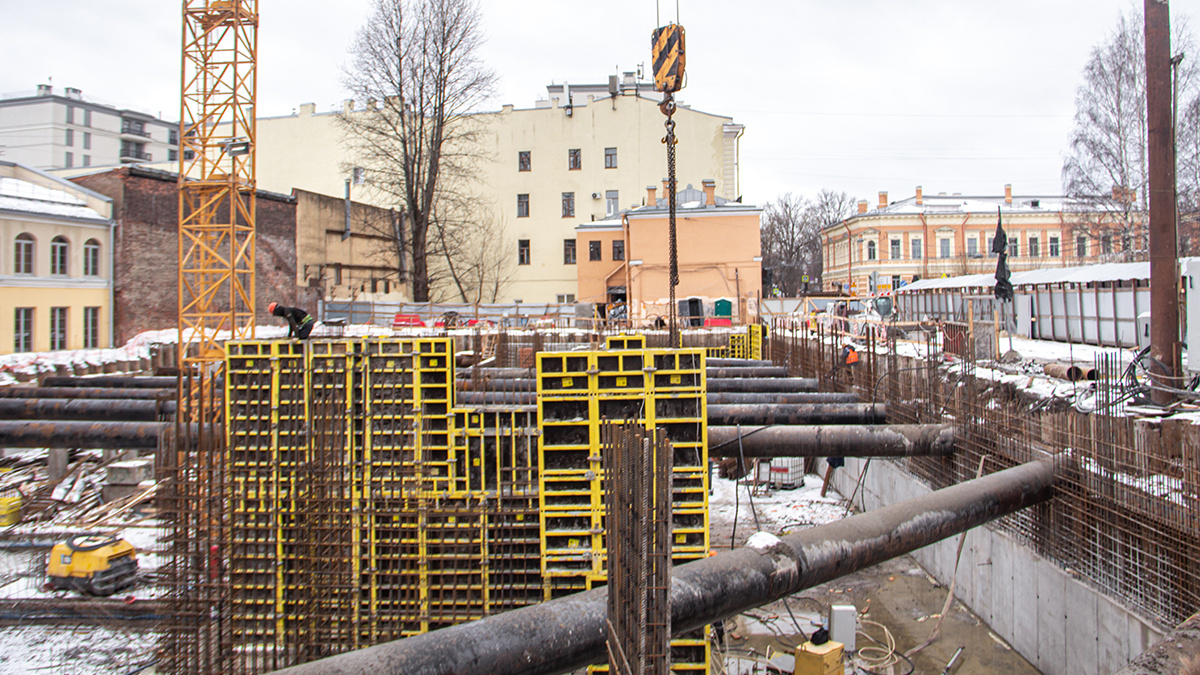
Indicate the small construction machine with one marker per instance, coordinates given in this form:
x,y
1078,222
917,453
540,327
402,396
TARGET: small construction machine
x,y
94,564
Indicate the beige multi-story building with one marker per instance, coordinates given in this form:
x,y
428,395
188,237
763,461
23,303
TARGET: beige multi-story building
x,y
55,266
583,153
48,130
928,236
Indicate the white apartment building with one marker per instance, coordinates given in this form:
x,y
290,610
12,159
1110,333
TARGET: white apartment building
x,y
49,130
583,153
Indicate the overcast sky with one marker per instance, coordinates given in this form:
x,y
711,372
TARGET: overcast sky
x,y
853,95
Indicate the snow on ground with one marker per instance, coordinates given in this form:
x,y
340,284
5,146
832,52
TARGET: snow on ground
x,y
81,650
779,511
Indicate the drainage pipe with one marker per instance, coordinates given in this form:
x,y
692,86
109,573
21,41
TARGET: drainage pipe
x,y
117,410
798,413
884,440
562,635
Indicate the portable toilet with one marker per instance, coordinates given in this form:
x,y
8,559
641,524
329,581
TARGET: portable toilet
x,y
723,307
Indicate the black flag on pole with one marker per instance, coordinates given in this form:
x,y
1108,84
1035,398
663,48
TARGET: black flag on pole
x,y
1004,287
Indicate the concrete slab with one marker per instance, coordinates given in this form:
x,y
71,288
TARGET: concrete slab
x,y
1025,603
980,541
1051,619
1001,589
1082,634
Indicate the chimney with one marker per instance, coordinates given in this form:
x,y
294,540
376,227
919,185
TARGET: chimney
x,y
862,206
883,200
45,90
651,195
710,191
1008,194
666,187
74,93
920,196
347,106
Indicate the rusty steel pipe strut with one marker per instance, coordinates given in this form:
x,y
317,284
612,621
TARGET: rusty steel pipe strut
x,y
493,373
884,440
86,392
60,434
118,381
513,398
497,384
764,371
738,363
763,385
561,635
95,409
736,398
797,413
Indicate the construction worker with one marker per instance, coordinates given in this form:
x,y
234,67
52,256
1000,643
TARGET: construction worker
x,y
850,355
300,323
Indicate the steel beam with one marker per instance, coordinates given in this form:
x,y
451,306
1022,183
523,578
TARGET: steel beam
x,y
762,371
497,384
763,385
106,435
885,440
493,373
118,381
737,363
86,392
123,410
568,633
735,398
798,413
496,398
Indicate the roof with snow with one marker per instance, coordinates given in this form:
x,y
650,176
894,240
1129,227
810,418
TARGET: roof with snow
x,y
958,204
1084,274
22,196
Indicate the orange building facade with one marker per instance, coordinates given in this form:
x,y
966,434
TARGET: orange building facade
x,y
625,260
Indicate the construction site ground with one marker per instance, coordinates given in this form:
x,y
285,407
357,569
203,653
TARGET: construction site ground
x,y
897,594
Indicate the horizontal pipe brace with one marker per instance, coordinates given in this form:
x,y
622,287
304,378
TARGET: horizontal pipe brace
x,y
797,413
890,440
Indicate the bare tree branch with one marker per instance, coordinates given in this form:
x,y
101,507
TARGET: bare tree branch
x,y
791,236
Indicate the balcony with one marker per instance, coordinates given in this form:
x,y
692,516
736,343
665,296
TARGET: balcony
x,y
131,129
135,156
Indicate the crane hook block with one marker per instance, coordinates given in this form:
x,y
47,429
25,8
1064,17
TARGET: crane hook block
x,y
666,42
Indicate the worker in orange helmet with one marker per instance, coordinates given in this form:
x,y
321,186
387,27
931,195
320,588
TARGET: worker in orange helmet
x,y
850,355
300,323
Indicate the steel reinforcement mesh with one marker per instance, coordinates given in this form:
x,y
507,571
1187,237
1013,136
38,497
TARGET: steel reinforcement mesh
x,y
1126,513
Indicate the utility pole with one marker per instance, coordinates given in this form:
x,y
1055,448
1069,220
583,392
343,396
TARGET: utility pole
x,y
1164,246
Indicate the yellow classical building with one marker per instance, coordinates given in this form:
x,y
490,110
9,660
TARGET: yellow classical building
x,y
584,152
55,271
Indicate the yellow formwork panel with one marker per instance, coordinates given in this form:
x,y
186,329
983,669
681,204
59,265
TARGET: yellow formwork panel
x,y
625,341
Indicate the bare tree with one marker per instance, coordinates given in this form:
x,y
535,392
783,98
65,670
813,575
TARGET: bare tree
x,y
480,257
418,75
1106,168
791,236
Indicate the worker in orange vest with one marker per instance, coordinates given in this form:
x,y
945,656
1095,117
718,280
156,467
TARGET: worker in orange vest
x,y
849,355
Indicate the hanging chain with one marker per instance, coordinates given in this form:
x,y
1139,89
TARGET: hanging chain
x,y
668,109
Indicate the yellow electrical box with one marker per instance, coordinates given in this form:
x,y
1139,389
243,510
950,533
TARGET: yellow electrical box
x,y
10,511
823,659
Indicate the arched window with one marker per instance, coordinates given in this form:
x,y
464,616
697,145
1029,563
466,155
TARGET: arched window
x,y
23,254
91,258
59,250
870,250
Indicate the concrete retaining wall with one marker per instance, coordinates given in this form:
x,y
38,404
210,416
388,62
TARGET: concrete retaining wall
x,y
1059,624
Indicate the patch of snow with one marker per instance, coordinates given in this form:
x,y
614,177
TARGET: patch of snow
x,y
82,650
762,540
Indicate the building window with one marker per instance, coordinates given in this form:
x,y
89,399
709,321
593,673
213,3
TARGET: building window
x,y
91,258
522,251
23,329
337,275
568,251
172,155
1014,247
59,250
991,241
522,206
91,327
894,253
918,251
135,127
1034,251
574,159
870,250
618,249
70,140
70,160
23,254
895,282
610,158
612,203
173,136
1054,252
58,328
1081,246
594,253
568,202
943,248
70,114
87,118
87,160
523,162
972,247
566,298
87,140
1106,244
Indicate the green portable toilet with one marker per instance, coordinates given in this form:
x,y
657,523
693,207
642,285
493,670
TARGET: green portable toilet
x,y
723,308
